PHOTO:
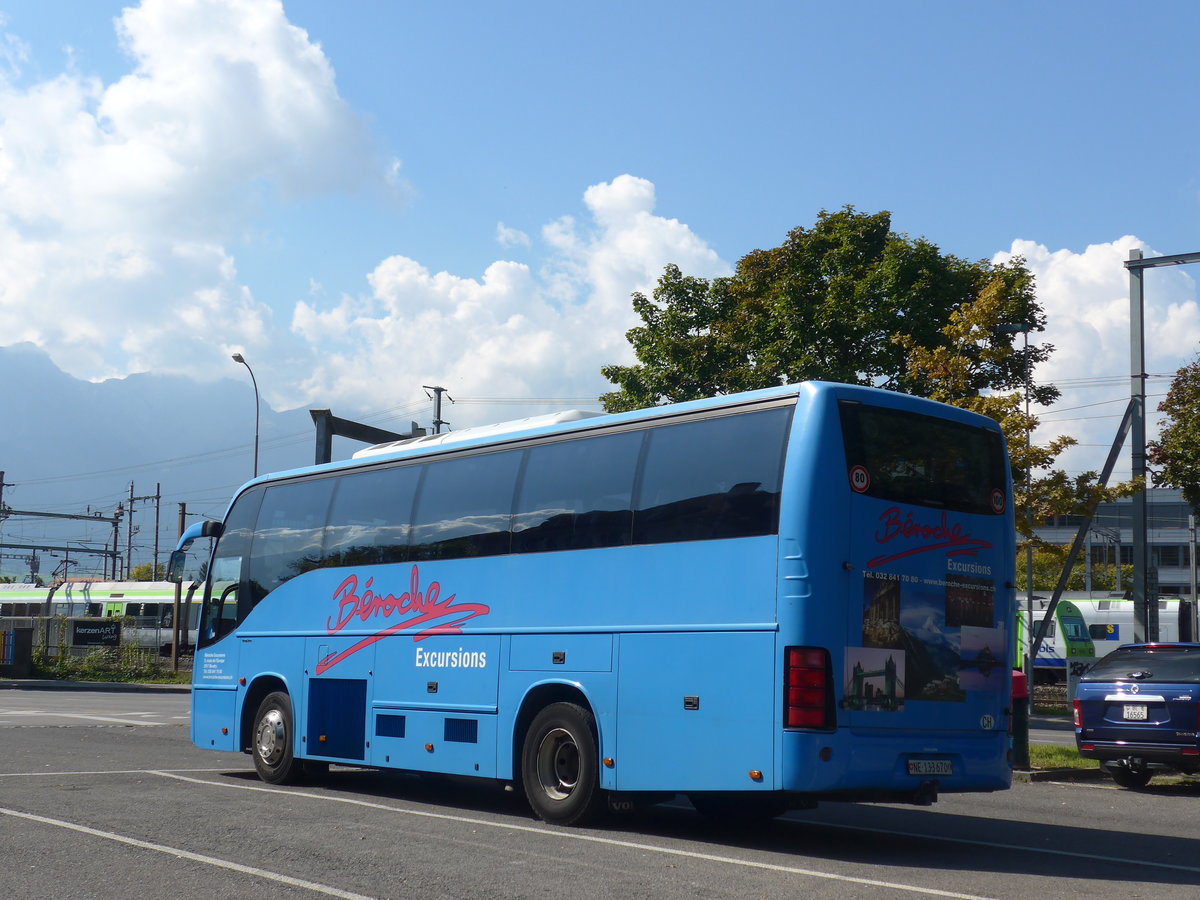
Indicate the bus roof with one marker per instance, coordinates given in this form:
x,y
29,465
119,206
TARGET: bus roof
x,y
580,420
481,431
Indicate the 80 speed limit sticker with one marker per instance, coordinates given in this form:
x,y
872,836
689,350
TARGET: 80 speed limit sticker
x,y
860,478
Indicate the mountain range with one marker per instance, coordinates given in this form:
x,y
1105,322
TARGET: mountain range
x,y
74,447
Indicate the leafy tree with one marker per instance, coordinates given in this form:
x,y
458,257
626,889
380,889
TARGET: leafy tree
x,y
1177,450
1048,560
826,304
143,573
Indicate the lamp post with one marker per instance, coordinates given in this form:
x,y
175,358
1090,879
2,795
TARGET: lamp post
x,y
237,358
1023,330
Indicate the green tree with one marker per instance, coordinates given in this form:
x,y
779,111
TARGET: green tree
x,y
1048,560
143,573
1177,450
826,304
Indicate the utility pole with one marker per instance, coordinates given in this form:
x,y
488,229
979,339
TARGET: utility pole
x,y
116,542
129,529
129,535
1143,589
1192,569
178,599
157,504
438,422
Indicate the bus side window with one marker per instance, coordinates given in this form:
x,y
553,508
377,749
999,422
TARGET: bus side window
x,y
576,495
715,478
369,518
464,507
288,537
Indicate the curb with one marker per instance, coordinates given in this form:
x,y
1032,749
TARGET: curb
x,y
98,686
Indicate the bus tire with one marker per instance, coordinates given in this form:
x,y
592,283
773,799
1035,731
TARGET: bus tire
x,y
271,743
560,765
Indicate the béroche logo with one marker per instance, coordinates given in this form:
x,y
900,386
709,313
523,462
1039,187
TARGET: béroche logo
x,y
422,610
922,537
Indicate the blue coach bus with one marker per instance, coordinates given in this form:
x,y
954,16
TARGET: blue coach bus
x,y
759,600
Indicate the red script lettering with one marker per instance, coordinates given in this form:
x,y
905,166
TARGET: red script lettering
x,y
941,536
425,611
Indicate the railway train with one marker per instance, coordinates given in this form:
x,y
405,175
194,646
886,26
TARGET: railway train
x,y
146,608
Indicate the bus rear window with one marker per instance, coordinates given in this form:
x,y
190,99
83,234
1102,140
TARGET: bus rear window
x,y
923,460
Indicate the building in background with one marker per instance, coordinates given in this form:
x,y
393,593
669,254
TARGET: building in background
x,y
1110,539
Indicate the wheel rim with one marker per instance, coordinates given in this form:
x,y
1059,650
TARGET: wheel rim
x,y
270,737
558,764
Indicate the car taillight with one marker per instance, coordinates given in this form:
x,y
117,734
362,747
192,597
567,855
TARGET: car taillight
x,y
807,688
1078,712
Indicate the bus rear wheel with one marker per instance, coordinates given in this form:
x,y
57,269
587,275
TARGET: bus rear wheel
x,y
272,740
560,765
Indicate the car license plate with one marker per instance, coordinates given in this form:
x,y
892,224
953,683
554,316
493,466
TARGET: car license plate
x,y
1135,712
930,767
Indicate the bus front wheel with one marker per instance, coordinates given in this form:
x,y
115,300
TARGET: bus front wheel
x,y
272,745
559,765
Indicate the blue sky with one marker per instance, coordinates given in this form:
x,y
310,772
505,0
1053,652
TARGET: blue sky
x,y
365,197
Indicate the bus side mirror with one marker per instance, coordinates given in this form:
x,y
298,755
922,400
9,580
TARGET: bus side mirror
x,y
176,565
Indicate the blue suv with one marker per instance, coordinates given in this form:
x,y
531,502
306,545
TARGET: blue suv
x,y
1138,712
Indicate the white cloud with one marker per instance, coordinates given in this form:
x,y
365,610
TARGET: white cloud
x,y
116,201
511,237
513,333
1086,298
14,52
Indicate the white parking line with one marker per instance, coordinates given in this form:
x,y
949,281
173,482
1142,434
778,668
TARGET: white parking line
x,y
567,834
112,720
186,854
102,772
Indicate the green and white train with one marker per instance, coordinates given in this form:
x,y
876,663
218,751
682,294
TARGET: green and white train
x,y
146,608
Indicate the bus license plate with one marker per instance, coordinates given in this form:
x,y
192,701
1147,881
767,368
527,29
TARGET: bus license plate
x,y
930,767
1135,712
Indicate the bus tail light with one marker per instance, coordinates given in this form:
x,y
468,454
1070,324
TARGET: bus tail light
x,y
807,688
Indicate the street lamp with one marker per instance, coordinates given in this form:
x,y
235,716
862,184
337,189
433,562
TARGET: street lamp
x,y
237,358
